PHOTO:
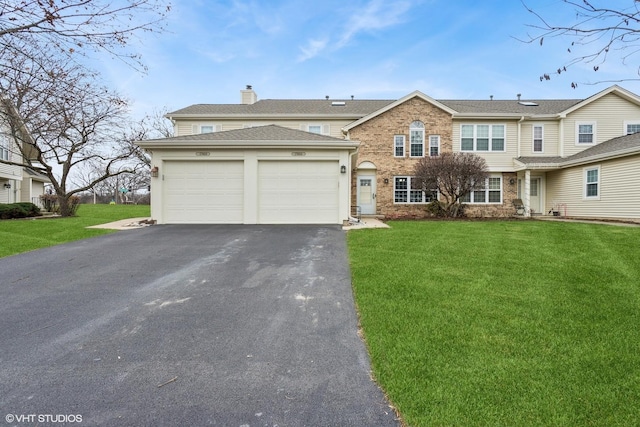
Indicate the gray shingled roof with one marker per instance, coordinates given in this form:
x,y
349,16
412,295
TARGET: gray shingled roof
x,y
258,133
274,107
623,144
359,108
543,107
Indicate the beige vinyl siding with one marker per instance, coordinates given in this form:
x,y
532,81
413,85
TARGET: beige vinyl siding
x,y
329,127
550,139
496,161
619,195
609,113
11,171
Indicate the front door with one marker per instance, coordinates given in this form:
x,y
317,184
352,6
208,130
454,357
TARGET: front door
x,y
535,196
367,194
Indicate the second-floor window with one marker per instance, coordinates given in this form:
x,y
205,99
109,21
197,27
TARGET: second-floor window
x,y
416,137
538,138
434,145
315,129
4,147
482,138
632,128
398,145
207,128
585,133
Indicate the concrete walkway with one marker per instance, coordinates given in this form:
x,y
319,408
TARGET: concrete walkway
x,y
134,223
622,222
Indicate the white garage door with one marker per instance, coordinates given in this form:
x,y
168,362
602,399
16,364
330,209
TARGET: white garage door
x,y
203,192
298,192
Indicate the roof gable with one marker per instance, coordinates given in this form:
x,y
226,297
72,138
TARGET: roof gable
x,y
384,109
615,89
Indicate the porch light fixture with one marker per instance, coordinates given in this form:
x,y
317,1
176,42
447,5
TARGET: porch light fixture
x,y
343,169
7,185
386,180
154,171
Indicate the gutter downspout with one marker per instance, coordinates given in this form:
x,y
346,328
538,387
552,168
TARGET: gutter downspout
x,y
520,136
350,171
561,135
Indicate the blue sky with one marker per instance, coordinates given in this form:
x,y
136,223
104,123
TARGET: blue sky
x,y
371,49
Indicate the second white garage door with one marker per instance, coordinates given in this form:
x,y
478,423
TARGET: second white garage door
x,y
204,192
298,192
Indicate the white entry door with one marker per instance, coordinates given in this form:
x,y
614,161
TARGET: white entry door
x,y
535,196
367,194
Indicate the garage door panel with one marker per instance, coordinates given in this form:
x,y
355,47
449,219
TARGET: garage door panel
x,y
205,192
302,192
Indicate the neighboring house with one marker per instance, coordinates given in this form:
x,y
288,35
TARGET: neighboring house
x,y
17,183
289,160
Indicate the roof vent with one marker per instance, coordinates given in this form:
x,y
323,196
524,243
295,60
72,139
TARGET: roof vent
x,y
528,103
338,103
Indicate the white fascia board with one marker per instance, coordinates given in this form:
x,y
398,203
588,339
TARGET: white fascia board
x,y
179,145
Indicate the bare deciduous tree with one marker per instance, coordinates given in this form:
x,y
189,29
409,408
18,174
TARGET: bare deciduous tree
x,y
76,26
600,29
454,175
63,121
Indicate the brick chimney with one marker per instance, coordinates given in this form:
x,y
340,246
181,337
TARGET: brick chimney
x,y
248,96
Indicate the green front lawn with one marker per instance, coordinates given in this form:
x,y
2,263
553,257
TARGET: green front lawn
x,y
503,323
24,235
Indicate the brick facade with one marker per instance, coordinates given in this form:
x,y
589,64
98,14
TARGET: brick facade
x,y
377,146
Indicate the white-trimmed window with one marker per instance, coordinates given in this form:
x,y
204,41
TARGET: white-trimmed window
x,y
592,183
398,145
315,129
482,138
538,138
4,147
407,190
434,145
318,128
208,128
585,133
416,139
631,127
490,194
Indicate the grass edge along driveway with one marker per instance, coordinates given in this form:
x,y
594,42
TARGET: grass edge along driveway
x,y
23,235
502,322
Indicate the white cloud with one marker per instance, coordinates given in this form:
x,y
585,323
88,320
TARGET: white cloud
x,y
312,49
376,15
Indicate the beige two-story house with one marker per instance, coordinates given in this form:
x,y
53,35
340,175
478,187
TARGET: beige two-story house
x,y
323,161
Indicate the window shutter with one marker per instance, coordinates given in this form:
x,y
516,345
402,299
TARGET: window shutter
x,y
303,127
194,129
218,128
326,129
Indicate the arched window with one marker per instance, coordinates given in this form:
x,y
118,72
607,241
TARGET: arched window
x,y
416,137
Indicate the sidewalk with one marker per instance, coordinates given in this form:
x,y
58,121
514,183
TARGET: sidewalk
x,y
622,222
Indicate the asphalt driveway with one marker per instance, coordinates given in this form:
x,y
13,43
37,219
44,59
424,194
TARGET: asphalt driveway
x,y
186,325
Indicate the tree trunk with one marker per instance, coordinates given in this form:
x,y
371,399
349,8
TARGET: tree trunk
x,y
65,205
